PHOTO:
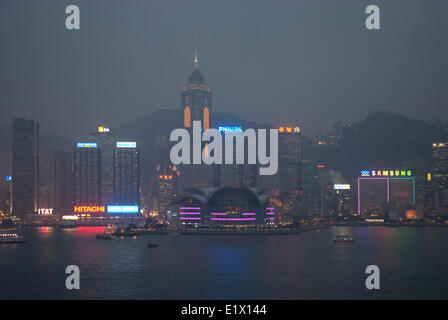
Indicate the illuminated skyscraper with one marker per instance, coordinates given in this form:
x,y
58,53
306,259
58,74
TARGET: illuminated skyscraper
x,y
167,177
196,105
25,167
106,138
440,177
289,158
126,174
87,175
196,99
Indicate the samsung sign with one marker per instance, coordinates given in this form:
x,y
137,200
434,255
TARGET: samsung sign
x,y
87,145
341,187
126,144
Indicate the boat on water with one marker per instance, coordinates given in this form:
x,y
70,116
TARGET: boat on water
x,y
126,234
107,234
343,238
103,236
151,245
11,238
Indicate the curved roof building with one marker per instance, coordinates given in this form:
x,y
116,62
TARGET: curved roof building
x,y
227,206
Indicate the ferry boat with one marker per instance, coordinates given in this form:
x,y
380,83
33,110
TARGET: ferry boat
x,y
11,238
122,232
343,238
107,235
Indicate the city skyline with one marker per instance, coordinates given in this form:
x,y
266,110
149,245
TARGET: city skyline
x,y
231,151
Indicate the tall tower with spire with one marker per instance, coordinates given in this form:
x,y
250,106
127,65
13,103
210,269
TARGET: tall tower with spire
x,y
196,98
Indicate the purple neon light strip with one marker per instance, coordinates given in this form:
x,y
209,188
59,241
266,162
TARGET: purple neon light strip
x,y
271,218
233,219
184,218
370,178
269,208
219,213
190,208
270,212
249,214
189,213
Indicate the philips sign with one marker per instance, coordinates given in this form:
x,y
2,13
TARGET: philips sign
x,y
230,129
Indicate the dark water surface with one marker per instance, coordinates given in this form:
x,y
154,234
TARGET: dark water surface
x,y
413,263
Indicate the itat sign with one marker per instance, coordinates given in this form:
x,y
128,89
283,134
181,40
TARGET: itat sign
x,y
207,147
45,211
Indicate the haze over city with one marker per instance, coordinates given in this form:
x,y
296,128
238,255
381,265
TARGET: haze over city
x,y
313,63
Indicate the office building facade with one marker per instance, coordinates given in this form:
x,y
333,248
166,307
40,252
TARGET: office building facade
x,y
126,174
62,182
87,175
25,167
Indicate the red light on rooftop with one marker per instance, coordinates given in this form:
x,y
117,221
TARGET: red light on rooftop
x,y
320,166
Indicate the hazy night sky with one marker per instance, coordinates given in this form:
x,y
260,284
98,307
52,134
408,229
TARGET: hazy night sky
x,y
301,62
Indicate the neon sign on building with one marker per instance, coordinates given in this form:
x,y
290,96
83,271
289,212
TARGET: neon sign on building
x,y
289,130
86,145
45,211
122,209
386,173
341,187
230,129
89,209
102,129
126,144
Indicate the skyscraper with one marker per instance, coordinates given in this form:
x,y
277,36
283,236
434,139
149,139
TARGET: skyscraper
x,y
25,167
440,177
235,174
196,105
310,188
196,99
106,139
167,188
290,156
87,175
126,175
62,182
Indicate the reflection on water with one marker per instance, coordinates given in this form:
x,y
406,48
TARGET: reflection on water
x,y
412,260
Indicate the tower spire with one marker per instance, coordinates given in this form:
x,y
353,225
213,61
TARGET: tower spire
x,y
196,59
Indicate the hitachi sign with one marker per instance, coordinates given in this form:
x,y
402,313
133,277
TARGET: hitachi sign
x,y
89,209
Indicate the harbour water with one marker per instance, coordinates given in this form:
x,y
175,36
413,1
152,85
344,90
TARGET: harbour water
x,y
413,262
